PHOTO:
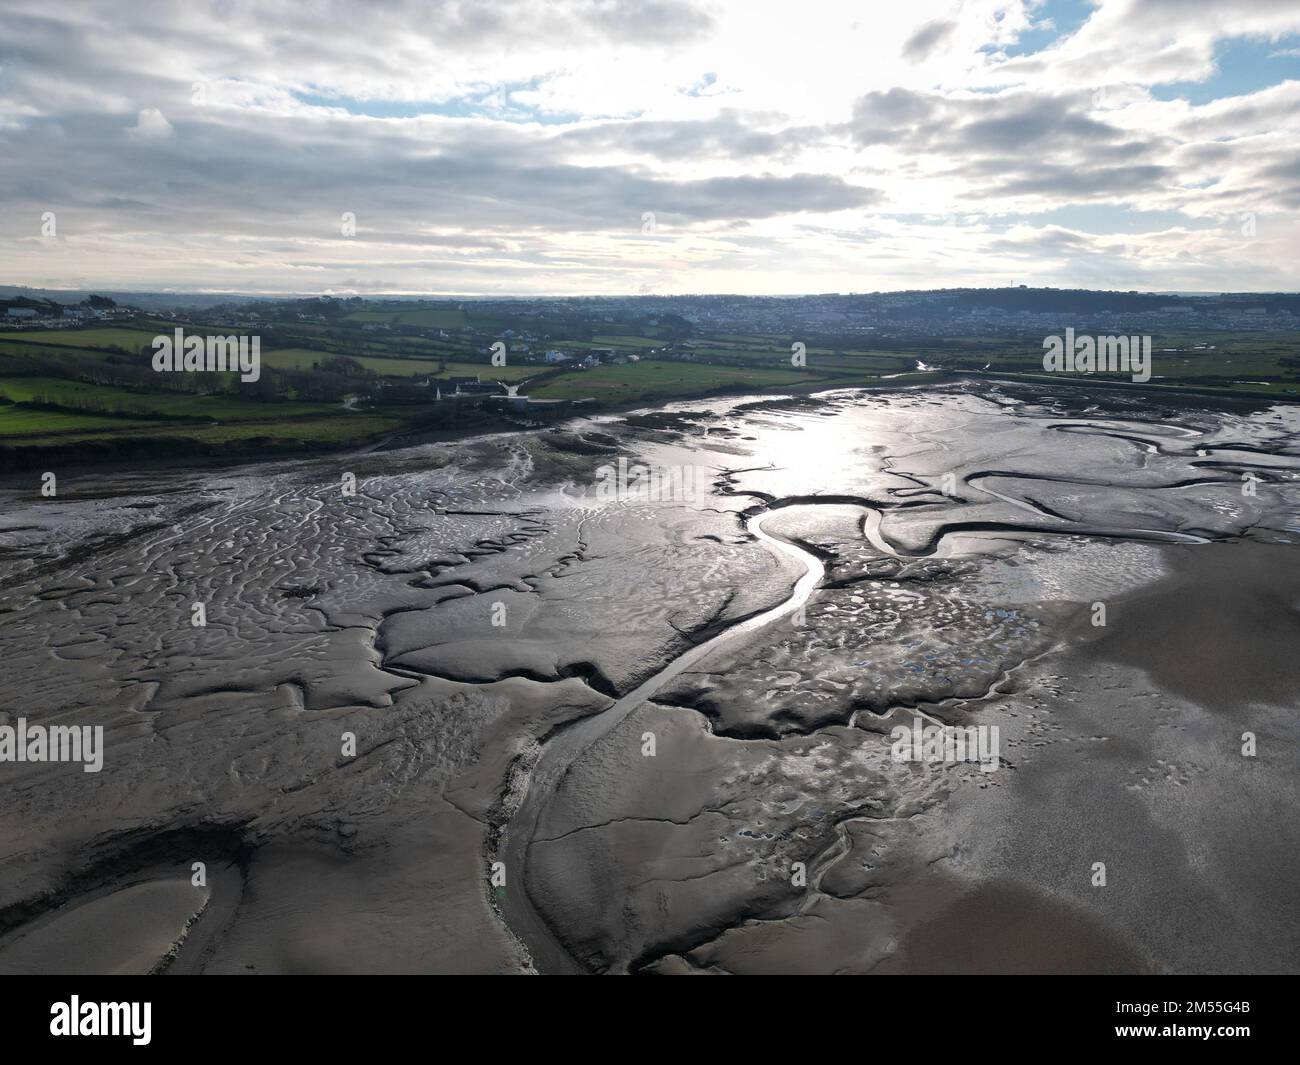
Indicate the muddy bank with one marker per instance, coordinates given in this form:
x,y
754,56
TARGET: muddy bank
x,y
389,671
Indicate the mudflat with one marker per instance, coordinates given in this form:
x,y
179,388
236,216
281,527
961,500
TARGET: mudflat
x,y
488,715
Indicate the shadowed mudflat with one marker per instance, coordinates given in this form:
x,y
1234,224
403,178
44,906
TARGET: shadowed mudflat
x,y
1223,630
1002,928
406,734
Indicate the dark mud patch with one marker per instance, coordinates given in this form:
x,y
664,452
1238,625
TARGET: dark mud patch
x,y
1223,629
1003,928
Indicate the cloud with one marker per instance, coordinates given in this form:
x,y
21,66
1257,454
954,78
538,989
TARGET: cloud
x,y
929,37
150,125
512,146
728,135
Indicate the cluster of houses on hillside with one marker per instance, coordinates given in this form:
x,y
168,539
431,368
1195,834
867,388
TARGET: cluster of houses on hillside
x,y
24,312
593,358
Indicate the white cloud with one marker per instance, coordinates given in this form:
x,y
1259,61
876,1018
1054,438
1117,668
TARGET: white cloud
x,y
513,146
151,125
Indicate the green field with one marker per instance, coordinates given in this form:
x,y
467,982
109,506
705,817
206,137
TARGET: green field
x,y
17,421
92,393
305,358
107,337
647,380
40,428
1231,362
334,429
626,342
428,318
217,407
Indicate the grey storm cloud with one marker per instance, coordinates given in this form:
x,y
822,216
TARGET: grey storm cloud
x,y
648,20
894,115
986,123
1281,175
1014,144
474,23
726,136
1044,242
277,177
927,39
1287,167
1110,181
306,46
1020,121
260,173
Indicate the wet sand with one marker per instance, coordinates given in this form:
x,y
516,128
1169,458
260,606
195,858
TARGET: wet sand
x,y
474,610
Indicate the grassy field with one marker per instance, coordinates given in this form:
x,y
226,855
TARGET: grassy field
x,y
428,318
333,429
1232,362
39,428
57,366
304,358
218,407
108,337
819,360
19,422
626,342
647,380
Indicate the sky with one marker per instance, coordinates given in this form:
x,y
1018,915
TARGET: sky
x,y
588,147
